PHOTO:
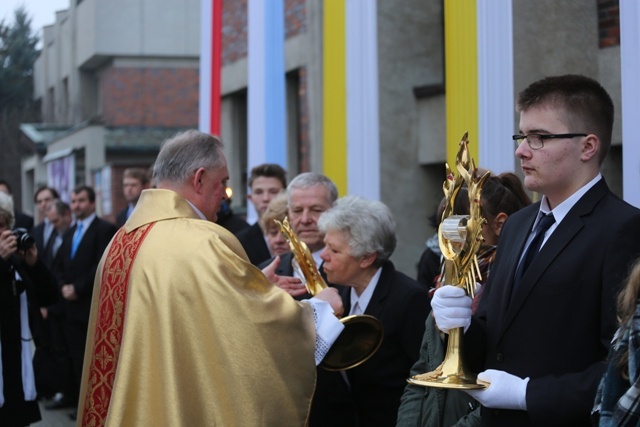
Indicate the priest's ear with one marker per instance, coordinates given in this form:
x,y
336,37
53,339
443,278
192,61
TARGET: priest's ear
x,y
197,180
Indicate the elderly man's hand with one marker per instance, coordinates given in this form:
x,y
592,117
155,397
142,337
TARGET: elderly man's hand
x,y
270,270
331,296
292,285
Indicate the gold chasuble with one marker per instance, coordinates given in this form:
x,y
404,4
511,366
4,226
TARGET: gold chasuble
x,y
184,331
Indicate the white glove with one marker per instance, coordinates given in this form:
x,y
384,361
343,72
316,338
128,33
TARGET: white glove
x,y
451,308
505,391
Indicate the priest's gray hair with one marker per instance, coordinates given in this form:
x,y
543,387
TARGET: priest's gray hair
x,y
182,155
6,209
369,225
311,179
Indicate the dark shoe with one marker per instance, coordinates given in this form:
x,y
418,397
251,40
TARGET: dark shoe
x,y
72,415
60,401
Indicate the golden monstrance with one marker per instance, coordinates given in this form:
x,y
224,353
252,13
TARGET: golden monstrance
x,y
459,238
362,334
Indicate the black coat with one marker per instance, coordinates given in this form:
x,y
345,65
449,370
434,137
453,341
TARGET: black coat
x,y
40,288
121,217
22,220
81,270
402,305
252,240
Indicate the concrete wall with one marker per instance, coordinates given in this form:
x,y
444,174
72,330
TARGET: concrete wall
x,y
410,49
137,28
551,38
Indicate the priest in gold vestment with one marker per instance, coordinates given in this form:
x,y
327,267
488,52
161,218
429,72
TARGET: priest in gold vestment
x,y
184,331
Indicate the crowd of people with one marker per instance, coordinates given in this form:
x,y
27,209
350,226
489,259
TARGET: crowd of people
x,y
181,313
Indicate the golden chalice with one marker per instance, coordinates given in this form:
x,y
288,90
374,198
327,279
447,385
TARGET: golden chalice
x,y
459,238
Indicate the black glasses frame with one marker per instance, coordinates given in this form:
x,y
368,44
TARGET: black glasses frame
x,y
540,137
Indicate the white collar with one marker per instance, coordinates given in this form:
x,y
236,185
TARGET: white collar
x,y
86,222
364,299
560,211
200,214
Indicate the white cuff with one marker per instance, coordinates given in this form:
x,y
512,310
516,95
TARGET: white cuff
x,y
328,327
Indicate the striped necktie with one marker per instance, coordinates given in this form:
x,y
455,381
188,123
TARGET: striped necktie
x,y
543,225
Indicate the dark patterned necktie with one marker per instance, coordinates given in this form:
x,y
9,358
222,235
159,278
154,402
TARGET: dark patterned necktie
x,y
541,228
47,257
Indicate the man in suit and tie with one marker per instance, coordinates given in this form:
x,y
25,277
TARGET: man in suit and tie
x,y
43,232
54,369
309,195
134,180
59,215
81,250
266,181
542,331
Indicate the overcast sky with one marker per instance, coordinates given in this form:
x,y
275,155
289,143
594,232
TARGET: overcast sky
x,y
41,12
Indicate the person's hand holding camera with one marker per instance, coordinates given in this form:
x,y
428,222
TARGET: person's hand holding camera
x,y
30,255
21,242
8,244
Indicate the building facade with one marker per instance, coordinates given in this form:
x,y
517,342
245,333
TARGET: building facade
x,y
117,77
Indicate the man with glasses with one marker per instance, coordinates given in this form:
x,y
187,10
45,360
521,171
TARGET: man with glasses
x,y
543,328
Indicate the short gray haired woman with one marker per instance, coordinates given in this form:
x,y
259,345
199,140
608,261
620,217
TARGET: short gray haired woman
x,y
359,240
369,223
6,209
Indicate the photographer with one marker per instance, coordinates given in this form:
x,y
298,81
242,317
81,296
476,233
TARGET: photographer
x,y
19,270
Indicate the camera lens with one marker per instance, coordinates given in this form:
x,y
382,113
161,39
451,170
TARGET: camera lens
x,y
24,239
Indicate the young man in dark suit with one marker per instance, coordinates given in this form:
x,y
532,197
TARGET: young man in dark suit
x,y
44,230
266,181
53,368
134,180
546,318
81,250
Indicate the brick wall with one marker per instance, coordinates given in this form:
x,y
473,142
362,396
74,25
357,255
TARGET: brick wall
x,y
165,97
234,30
609,23
235,26
295,17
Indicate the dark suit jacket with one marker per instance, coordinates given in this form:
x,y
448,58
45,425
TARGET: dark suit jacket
x,y
402,305
252,240
22,220
38,236
121,218
558,326
42,244
81,270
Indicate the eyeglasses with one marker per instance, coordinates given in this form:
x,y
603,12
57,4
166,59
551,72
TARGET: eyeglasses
x,y
536,140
